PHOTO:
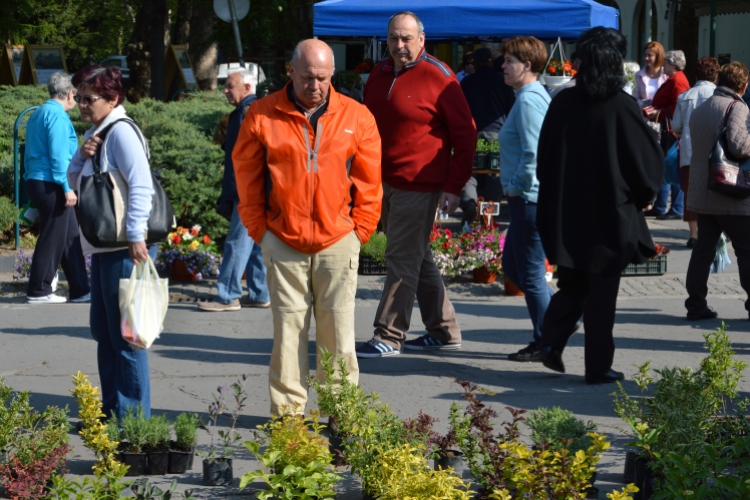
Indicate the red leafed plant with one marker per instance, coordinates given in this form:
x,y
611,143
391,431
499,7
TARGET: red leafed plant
x,y
24,480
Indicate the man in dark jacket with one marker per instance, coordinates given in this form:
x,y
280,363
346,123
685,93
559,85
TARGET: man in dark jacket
x,y
241,253
490,100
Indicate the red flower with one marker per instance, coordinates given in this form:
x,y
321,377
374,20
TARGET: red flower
x,y
448,233
446,245
176,239
206,240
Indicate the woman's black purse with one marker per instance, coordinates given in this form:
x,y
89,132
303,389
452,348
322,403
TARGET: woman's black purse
x,y
102,205
726,174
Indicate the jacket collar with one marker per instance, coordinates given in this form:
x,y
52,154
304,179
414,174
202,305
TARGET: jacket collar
x,y
389,66
727,92
287,105
703,83
247,100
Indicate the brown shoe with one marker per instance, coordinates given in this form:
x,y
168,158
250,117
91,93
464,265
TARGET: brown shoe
x,y
259,305
219,307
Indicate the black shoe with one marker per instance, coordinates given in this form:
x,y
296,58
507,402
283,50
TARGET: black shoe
x,y
668,216
528,354
608,378
652,213
707,313
552,359
691,243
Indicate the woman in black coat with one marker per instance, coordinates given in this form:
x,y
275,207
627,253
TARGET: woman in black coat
x,y
599,165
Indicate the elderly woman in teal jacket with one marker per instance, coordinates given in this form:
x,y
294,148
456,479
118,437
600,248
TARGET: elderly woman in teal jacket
x,y
50,144
523,255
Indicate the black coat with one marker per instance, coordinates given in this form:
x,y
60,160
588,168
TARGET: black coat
x,y
598,166
489,98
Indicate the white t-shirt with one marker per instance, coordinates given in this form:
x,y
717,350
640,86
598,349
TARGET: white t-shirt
x,y
651,87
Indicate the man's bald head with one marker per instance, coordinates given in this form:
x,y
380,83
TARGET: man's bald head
x,y
311,71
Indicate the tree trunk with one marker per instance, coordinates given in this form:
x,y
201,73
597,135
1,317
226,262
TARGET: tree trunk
x,y
182,22
139,55
202,48
159,41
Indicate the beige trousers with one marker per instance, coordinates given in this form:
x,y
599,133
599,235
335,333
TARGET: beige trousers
x,y
407,219
300,285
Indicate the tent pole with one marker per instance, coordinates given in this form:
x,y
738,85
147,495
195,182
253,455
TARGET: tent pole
x,y
712,30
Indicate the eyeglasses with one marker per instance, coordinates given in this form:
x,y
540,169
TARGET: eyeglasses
x,y
87,100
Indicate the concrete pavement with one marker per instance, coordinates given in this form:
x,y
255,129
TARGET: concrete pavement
x,y
42,346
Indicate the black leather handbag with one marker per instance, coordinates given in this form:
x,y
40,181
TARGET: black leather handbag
x,y
102,204
726,174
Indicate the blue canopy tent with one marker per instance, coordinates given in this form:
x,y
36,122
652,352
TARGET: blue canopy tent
x,y
465,19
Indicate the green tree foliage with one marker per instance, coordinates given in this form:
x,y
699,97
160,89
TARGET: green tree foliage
x,y
87,30
179,136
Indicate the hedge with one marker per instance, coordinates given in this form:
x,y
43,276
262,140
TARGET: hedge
x,y
180,139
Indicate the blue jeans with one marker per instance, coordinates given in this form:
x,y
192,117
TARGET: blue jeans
x,y
241,254
123,370
524,259
678,199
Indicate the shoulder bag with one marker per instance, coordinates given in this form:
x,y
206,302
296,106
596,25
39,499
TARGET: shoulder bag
x,y
102,204
726,174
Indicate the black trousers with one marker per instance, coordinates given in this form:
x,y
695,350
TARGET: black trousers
x,y
710,228
58,242
594,296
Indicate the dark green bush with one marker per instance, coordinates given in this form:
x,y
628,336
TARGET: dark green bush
x,y
180,138
8,214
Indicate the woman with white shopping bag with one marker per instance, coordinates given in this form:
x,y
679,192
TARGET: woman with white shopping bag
x,y
119,154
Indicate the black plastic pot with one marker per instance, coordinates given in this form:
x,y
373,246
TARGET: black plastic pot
x,y
451,458
135,461
217,473
180,461
592,493
643,474
628,475
158,462
482,160
494,160
336,447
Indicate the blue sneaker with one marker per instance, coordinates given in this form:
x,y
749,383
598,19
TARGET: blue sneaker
x,y
427,343
375,349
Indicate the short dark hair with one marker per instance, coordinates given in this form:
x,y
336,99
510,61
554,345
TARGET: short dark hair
x,y
733,76
105,80
482,56
527,49
600,53
707,68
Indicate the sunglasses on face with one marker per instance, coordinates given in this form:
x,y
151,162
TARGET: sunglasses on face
x,y
87,100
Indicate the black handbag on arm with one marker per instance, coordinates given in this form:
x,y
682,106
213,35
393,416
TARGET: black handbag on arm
x,y
102,204
726,174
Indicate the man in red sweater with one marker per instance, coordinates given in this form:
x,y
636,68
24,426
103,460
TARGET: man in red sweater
x,y
422,115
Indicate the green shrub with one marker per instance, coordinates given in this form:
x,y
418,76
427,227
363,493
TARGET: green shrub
x,y
180,139
8,214
186,430
550,424
375,247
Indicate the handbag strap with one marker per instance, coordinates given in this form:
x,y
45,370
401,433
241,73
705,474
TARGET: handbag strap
x,y
96,160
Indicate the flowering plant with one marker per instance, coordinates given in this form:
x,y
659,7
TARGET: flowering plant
x,y
478,248
364,67
558,68
22,266
198,251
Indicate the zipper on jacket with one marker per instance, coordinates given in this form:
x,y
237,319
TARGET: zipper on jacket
x,y
395,75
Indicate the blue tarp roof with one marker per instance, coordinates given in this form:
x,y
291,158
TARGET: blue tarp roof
x,y
457,19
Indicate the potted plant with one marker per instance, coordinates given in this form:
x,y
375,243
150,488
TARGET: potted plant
x,y
158,434
555,427
182,448
481,252
372,256
445,250
296,462
134,427
188,255
482,155
217,461
558,72
494,149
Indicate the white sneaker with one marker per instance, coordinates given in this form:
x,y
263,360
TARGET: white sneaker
x,y
47,299
54,282
83,298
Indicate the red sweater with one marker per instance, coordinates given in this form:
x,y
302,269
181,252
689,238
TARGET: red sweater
x,y
422,114
666,96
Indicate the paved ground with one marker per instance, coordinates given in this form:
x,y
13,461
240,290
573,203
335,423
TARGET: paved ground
x,y
42,346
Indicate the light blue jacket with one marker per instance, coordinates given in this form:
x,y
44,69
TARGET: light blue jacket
x,y
518,142
50,144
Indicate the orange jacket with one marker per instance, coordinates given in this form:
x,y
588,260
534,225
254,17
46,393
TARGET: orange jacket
x,y
308,188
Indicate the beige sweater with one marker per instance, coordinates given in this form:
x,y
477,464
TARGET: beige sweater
x,y
706,123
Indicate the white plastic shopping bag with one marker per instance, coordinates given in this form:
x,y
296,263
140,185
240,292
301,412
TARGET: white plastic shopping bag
x,y
143,305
